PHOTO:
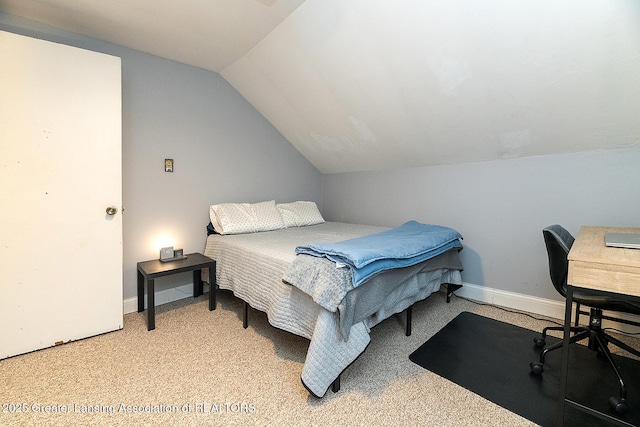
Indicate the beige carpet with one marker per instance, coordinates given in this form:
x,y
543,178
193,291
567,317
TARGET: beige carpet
x,y
202,368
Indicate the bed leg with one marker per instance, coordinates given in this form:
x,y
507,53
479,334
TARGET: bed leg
x,y
245,315
335,385
451,289
408,327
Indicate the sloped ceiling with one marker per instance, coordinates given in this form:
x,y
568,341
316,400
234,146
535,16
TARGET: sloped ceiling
x,y
372,85
210,34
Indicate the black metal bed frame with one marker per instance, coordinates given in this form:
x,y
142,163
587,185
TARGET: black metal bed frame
x,y
335,386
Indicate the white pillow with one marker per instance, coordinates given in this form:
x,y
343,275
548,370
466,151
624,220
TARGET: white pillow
x,y
236,218
298,214
214,218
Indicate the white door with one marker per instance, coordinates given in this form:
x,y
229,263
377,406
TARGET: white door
x,y
60,168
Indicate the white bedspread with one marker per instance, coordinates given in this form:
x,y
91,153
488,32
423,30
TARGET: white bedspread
x,y
253,265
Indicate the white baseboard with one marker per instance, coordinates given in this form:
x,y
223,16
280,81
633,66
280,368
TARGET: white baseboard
x,y
163,297
475,292
534,305
483,294
528,303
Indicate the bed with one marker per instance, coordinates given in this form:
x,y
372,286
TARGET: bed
x,y
259,264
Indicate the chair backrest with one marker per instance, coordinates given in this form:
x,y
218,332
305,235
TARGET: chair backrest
x,y
558,242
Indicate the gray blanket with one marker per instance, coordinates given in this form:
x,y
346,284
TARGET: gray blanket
x,y
392,287
330,286
320,279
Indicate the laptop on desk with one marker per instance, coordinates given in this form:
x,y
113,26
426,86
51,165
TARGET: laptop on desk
x,y
622,240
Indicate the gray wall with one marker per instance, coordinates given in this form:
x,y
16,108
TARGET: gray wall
x,y
224,151
500,207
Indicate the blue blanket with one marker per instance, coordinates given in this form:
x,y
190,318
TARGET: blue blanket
x,y
407,245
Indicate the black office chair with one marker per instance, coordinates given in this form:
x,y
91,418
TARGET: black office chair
x,y
559,242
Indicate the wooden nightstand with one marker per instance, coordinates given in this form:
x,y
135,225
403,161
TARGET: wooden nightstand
x,y
148,271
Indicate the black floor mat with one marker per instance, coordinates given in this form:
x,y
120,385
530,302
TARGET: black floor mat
x,y
491,358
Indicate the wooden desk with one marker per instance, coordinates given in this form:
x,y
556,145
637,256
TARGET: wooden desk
x,y
596,268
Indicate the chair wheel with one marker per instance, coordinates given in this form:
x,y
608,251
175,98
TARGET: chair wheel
x,y
536,368
619,405
540,342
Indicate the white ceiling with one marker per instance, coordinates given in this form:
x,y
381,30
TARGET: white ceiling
x,y
210,34
376,84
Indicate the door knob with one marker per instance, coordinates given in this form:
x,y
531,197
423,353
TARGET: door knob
x,y
112,210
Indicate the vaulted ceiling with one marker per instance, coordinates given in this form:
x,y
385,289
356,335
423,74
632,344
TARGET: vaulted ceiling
x,y
371,85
